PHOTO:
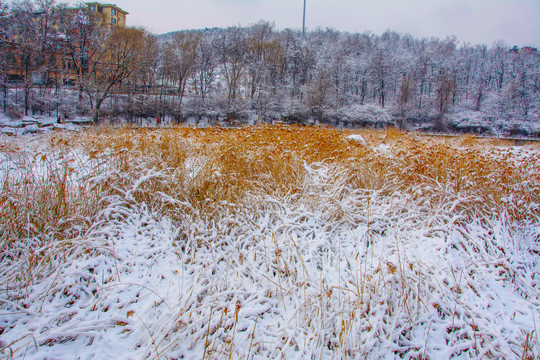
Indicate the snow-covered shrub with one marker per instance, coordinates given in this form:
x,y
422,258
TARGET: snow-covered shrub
x,y
272,112
470,121
295,112
66,111
369,115
517,129
14,114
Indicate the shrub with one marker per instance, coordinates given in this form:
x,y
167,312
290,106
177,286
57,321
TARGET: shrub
x,y
14,114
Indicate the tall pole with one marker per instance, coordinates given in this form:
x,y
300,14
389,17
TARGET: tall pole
x,y
304,23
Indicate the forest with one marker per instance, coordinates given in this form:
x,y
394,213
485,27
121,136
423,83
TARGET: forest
x,y
57,61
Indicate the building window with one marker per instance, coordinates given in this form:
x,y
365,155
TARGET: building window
x,y
113,12
92,8
113,20
99,9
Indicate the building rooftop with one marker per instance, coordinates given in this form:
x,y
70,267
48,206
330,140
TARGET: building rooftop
x,y
108,5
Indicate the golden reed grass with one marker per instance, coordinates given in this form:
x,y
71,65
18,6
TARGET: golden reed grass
x,y
205,167
54,191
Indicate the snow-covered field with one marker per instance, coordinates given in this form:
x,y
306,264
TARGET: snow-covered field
x,y
268,242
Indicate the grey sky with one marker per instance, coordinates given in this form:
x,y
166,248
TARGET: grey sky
x,y
474,21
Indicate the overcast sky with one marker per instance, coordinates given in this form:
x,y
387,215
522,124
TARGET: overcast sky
x,y
473,21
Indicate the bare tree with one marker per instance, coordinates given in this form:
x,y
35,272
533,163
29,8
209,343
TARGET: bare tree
x,y
34,44
259,38
84,49
233,56
404,97
26,46
318,94
6,24
205,68
445,88
180,58
147,73
499,60
380,74
123,57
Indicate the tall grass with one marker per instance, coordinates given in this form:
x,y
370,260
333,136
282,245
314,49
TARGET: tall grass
x,y
59,192
214,165
56,191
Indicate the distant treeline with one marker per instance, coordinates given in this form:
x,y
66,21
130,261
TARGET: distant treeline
x,y
67,64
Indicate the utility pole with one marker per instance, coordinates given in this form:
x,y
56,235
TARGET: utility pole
x,y
304,23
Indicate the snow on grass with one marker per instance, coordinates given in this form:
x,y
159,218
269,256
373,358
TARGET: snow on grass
x,y
357,137
268,242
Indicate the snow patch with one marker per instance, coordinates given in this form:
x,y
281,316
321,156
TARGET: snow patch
x,y
357,138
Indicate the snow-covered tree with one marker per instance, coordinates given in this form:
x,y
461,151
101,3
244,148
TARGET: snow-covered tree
x,y
180,56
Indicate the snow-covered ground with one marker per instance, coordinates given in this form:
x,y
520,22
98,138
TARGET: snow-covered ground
x,y
39,124
348,265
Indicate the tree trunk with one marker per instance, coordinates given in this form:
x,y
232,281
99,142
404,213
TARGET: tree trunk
x,y
26,98
95,118
181,90
5,93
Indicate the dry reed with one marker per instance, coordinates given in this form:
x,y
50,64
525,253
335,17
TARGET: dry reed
x,y
54,197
